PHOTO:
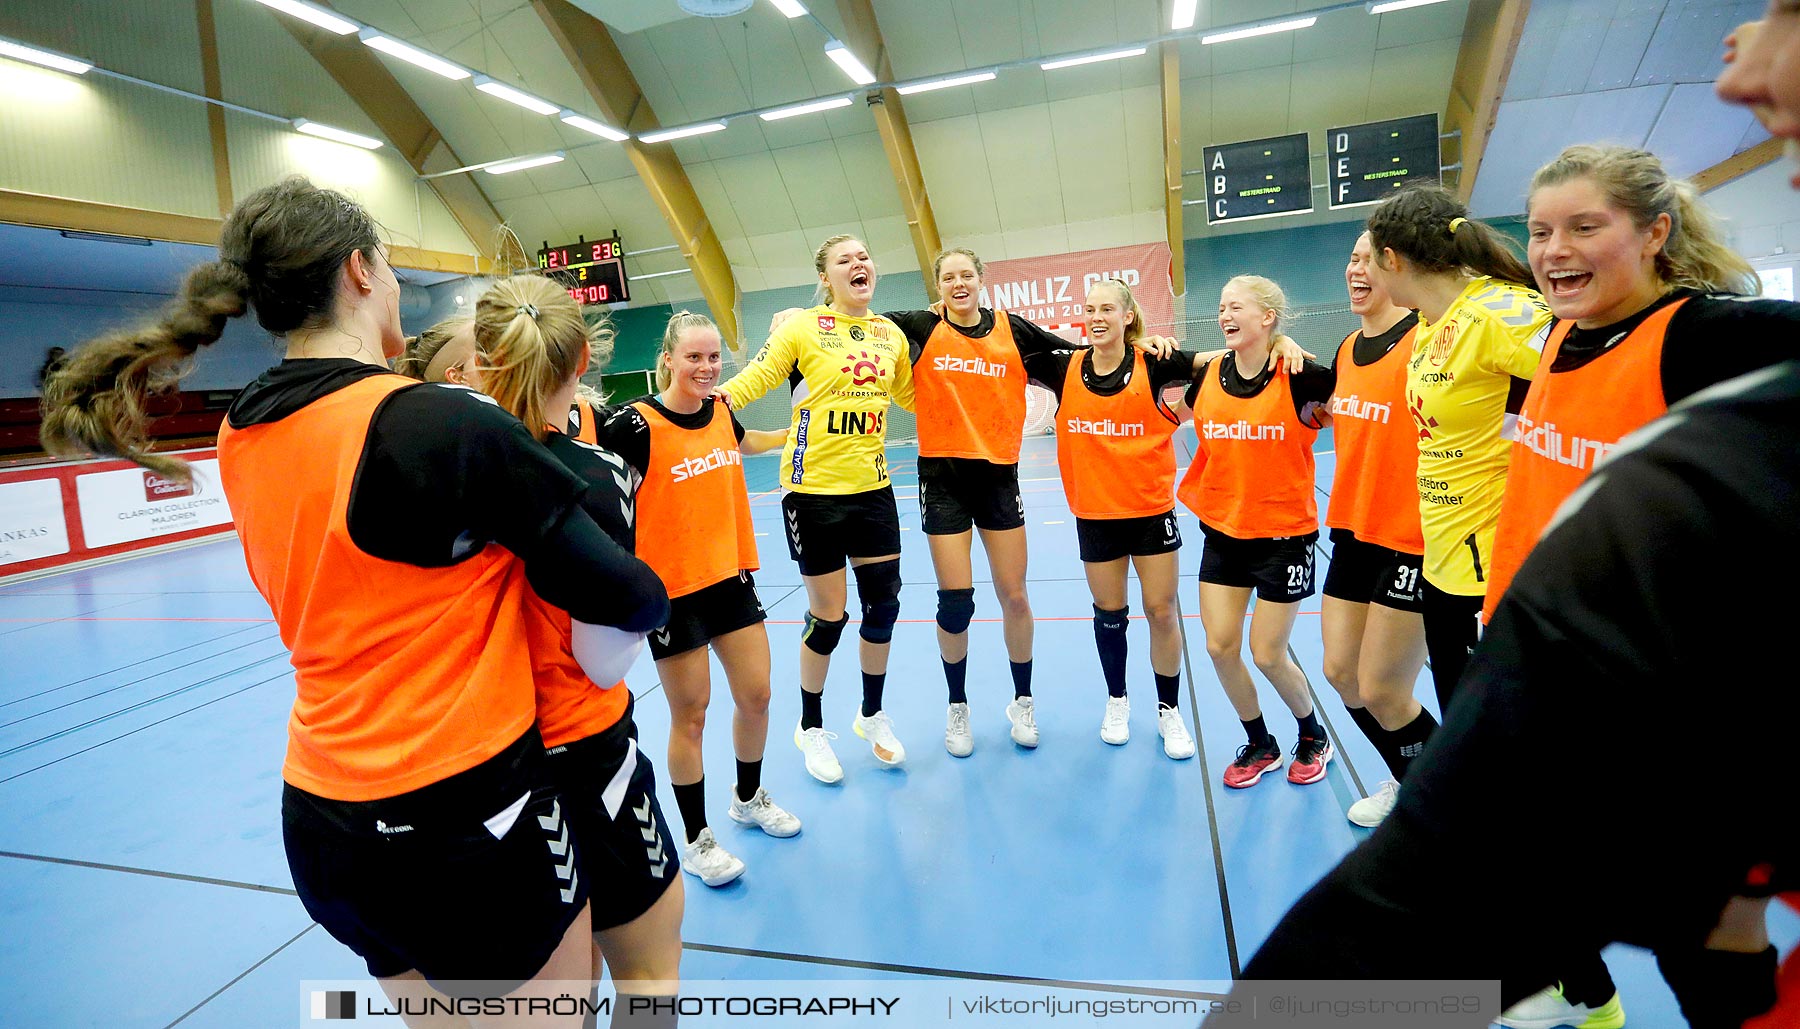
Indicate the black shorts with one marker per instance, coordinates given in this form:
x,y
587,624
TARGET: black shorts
x,y
1108,539
824,529
470,880
702,616
1280,569
609,794
1364,573
957,492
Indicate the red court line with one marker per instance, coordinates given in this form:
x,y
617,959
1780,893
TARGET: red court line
x,y
933,621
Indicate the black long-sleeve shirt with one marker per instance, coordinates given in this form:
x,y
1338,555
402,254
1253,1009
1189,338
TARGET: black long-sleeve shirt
x,y
445,471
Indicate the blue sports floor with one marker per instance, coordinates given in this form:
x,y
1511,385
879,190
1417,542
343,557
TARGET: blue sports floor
x,y
143,708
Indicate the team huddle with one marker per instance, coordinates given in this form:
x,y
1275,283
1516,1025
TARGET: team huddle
x,y
1474,396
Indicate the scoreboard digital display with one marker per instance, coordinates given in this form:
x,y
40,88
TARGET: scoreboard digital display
x,y
593,271
1367,162
1260,178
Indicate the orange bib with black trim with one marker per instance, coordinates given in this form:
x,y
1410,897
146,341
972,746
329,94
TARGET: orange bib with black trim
x,y
404,675
1252,474
694,504
1117,453
1373,490
1569,422
971,394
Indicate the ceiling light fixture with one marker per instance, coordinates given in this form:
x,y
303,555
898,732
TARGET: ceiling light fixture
x,y
791,8
313,128
413,55
586,124
665,135
1183,18
324,19
1110,55
47,58
503,167
955,80
1398,5
513,96
1258,30
811,107
841,56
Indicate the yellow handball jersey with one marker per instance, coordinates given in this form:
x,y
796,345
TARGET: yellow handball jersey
x,y
853,367
1456,388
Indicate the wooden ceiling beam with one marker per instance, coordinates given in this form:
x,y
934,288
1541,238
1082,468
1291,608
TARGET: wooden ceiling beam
x,y
896,133
362,76
594,55
1490,39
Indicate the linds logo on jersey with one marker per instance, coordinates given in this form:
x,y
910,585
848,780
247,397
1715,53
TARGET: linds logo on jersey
x,y
970,366
158,488
1242,429
1105,427
691,467
853,423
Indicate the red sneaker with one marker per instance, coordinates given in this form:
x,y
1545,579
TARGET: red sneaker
x,y
1253,759
1310,758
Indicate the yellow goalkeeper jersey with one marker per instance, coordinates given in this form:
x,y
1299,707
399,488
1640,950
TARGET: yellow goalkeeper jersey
x,y
1456,387
853,368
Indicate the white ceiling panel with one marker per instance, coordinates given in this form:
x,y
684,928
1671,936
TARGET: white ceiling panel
x,y
1403,28
1687,44
715,201
1573,57
1250,105
1529,133
817,187
1619,57
1394,82
871,179
1027,189
633,214
954,163
758,194
1093,160
1696,128
638,15
1049,239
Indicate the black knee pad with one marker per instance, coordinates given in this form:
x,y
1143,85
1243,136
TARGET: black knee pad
x,y
878,586
820,636
1110,622
955,609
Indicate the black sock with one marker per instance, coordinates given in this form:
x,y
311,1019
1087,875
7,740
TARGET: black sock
x,y
1408,742
1168,689
634,1011
812,714
1719,988
1109,636
957,676
872,685
1381,738
691,799
1256,730
1309,726
1586,980
749,779
1021,671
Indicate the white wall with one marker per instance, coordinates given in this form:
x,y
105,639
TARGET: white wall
x,y
1761,211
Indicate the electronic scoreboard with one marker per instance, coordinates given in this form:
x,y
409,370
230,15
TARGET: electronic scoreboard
x,y
1364,163
593,271
1260,178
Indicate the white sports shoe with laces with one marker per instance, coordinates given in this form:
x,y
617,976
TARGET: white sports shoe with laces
x,y
1115,728
712,863
1022,713
821,762
763,813
957,738
1177,744
878,729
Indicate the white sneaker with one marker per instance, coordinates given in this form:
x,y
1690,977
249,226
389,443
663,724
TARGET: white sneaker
x,y
878,729
712,863
1176,741
821,763
1548,1009
1022,713
957,739
1370,811
1115,728
763,813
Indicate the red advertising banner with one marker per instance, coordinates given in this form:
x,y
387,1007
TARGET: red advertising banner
x,y
66,513
1052,291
